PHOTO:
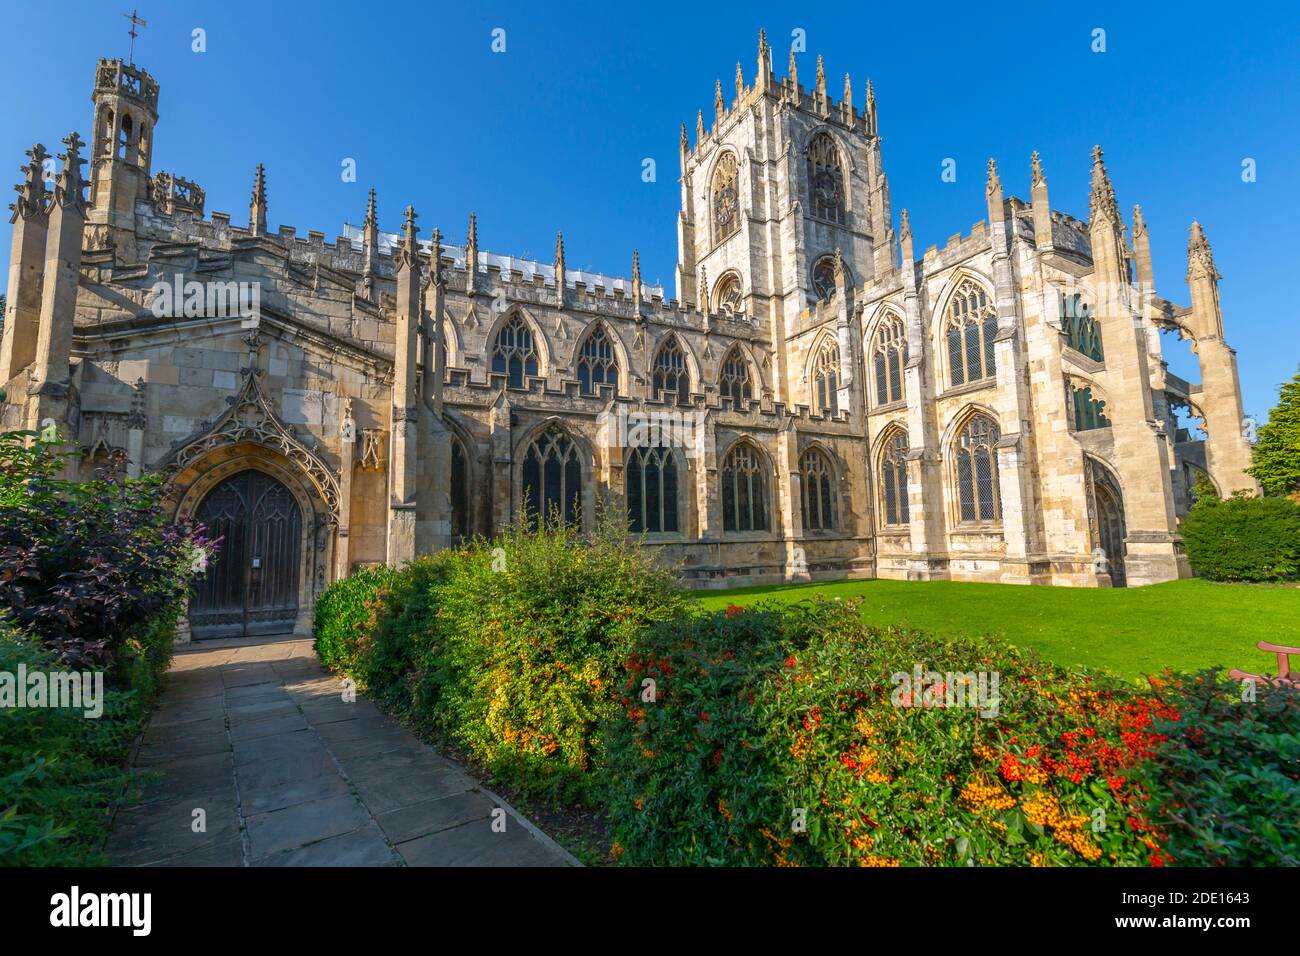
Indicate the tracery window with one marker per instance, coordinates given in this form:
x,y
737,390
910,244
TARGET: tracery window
x,y
815,475
977,470
596,362
733,381
1089,412
971,328
725,201
826,178
744,490
552,478
727,298
889,351
1082,332
823,279
826,375
513,352
671,380
893,478
652,482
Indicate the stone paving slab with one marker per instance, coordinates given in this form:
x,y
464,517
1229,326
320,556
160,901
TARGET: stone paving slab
x,y
258,736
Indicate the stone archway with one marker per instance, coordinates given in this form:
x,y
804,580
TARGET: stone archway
x,y
191,487
252,585
1109,530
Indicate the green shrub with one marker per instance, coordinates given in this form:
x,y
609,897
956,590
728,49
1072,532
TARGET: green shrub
x,y
60,772
781,736
508,648
345,615
1244,538
1226,783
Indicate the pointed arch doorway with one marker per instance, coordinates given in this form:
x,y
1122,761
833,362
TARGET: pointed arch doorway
x,y
1108,517
251,586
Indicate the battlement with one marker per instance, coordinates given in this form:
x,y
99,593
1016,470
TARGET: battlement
x,y
788,91
114,76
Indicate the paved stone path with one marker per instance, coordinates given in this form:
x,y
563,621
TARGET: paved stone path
x,y
257,736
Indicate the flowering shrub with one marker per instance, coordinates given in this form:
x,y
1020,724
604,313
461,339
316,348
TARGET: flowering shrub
x,y
783,736
1226,780
508,648
84,564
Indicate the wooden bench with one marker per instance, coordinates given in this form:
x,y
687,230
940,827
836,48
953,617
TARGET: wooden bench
x,y
1285,673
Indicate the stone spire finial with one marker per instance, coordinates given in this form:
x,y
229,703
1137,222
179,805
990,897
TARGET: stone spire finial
x,y
821,75
408,251
471,237
68,186
1200,261
435,256
257,204
372,219
847,105
871,109
31,191
1102,200
764,61
704,290
718,107
636,279
740,82
904,226
559,250
793,72
699,127
1036,169
685,143
1139,224
839,263
992,184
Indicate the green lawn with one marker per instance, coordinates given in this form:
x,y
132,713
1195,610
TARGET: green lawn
x,y
1186,625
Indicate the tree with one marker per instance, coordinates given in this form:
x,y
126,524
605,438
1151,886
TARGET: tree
x,y
1277,452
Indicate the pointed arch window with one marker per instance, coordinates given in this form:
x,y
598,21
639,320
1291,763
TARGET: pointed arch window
x,y
671,380
893,478
596,362
513,351
823,279
826,378
727,297
460,485
889,357
970,330
817,487
652,483
725,198
826,178
734,381
976,465
552,479
744,490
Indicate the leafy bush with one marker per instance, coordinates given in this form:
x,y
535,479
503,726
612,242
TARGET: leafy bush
x,y
782,737
85,564
346,614
508,648
59,771
1243,538
1226,783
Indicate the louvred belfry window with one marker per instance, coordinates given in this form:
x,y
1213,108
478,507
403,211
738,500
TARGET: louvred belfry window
x,y
725,200
826,178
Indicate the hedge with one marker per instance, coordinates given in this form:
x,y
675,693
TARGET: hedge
x,y
1244,538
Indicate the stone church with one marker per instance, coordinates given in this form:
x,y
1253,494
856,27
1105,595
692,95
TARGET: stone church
x,y
993,410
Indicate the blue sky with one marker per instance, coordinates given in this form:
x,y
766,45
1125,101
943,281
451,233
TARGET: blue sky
x,y
552,133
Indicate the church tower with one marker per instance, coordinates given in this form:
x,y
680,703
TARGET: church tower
x,y
125,102
784,180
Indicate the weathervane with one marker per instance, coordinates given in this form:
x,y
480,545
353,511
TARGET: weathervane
x,y
135,22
